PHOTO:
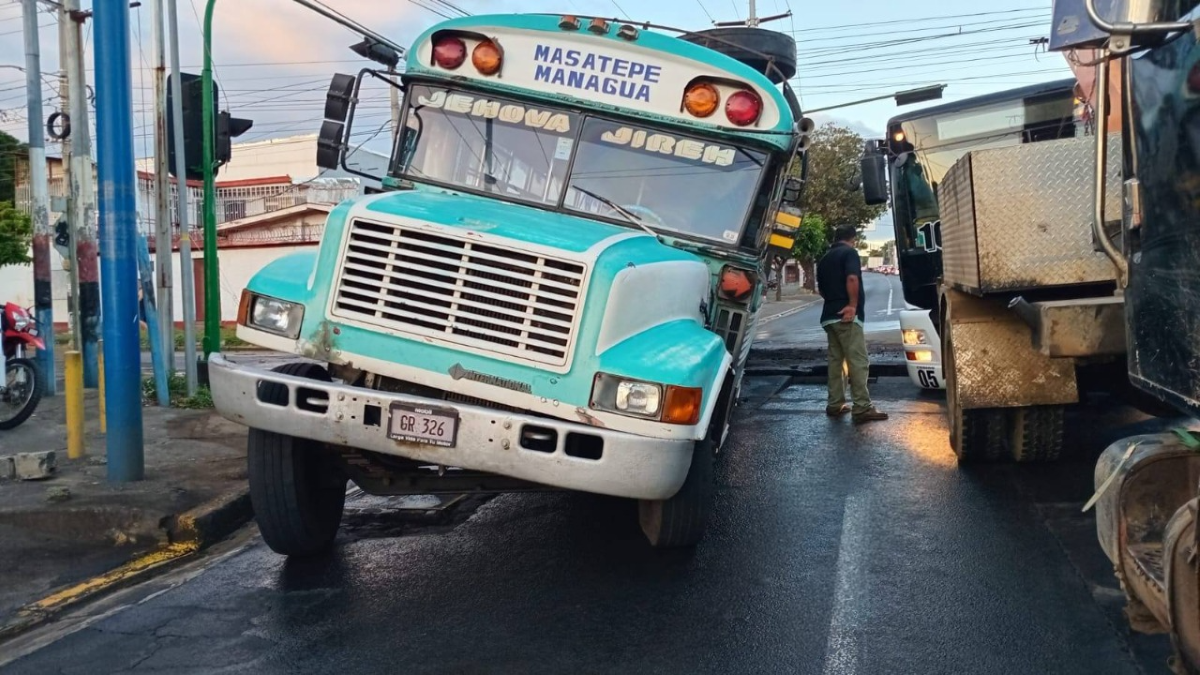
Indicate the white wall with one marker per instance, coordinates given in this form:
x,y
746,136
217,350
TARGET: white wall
x,y
237,266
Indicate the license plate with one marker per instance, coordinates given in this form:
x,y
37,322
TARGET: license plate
x,y
417,424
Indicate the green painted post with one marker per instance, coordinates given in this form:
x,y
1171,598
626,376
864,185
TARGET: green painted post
x,y
212,279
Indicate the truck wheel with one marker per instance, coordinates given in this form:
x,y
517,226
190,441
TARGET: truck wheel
x,y
756,47
296,487
975,435
978,435
680,521
1036,433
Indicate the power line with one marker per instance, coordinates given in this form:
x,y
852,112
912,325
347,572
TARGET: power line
x,y
920,20
706,12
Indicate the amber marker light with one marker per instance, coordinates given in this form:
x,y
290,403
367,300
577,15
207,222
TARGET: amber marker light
x,y
486,58
683,405
701,100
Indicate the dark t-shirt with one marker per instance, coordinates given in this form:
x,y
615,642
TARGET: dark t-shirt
x,y
840,262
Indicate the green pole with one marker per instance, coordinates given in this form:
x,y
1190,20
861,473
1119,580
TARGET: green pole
x,y
212,285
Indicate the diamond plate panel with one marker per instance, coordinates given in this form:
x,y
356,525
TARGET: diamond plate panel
x,y
1027,212
956,203
995,363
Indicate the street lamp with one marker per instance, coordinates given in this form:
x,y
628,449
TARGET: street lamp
x,y
909,97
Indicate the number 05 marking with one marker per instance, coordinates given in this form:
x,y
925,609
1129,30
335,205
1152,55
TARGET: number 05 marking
x,y
928,379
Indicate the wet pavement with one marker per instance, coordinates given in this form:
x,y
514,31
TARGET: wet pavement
x,y
834,549
885,300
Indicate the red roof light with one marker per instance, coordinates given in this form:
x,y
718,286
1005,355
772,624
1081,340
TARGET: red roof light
x,y
743,108
449,52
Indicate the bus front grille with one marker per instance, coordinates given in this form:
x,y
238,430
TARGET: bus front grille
x,y
477,295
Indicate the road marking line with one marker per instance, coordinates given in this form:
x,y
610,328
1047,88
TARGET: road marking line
x,y
849,600
891,291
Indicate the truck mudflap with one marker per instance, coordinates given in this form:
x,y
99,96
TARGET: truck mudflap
x,y
1144,485
542,450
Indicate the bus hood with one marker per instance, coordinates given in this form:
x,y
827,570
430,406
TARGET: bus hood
x,y
494,218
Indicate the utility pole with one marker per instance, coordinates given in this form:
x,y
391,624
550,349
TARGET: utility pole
x,y
85,270
68,165
185,230
753,20
42,234
162,192
118,237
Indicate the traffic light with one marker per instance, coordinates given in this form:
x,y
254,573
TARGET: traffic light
x,y
193,124
227,127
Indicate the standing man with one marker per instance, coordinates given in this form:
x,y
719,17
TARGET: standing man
x,y
839,280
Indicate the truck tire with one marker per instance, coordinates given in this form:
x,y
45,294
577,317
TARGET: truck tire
x,y
975,435
756,47
296,488
681,520
1036,433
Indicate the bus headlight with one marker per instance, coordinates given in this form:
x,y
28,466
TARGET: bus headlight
x,y
271,315
648,400
913,336
627,397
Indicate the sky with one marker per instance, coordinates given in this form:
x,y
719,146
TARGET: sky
x,y
274,58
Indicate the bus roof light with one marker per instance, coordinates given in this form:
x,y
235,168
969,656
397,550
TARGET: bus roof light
x,y
486,58
449,52
743,108
569,22
628,32
599,26
701,99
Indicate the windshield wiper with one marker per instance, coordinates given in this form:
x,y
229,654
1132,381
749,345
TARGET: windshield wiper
x,y
631,217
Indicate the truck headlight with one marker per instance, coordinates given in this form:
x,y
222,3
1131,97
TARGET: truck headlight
x,y
673,405
912,336
271,315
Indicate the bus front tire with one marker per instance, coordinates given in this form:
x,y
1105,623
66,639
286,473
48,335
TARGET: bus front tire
x,y
296,487
680,521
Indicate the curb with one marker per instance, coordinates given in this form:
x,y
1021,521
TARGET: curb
x,y
786,313
188,533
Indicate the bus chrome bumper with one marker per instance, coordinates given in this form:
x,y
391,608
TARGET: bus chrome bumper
x,y
487,440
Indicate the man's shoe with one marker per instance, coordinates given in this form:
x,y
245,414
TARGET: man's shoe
x,y
871,415
838,412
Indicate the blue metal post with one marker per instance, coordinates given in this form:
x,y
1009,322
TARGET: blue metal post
x,y
157,356
118,241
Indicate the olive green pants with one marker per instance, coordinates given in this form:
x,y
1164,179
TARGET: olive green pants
x,y
848,354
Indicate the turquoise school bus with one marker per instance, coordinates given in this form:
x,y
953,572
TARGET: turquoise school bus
x,y
556,290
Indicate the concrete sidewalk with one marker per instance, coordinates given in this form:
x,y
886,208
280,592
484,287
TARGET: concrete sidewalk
x,y
75,534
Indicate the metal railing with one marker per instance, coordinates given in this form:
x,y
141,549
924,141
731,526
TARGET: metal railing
x,y
233,203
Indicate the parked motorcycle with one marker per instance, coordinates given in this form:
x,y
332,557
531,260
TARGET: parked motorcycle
x,y
20,388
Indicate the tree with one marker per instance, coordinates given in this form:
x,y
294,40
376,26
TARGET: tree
x,y
833,166
12,152
16,234
812,241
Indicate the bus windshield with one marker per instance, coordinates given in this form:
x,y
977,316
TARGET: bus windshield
x,y
538,154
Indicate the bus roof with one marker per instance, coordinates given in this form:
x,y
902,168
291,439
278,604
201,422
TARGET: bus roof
x,y
1029,91
645,73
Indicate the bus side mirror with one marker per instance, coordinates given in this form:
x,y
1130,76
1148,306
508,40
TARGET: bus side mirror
x,y
337,109
874,175
793,189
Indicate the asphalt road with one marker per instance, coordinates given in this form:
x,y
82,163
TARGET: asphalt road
x,y
885,299
835,549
